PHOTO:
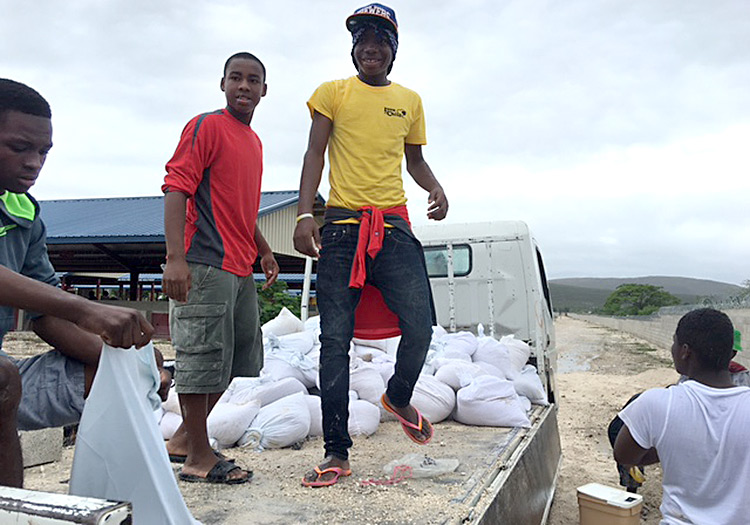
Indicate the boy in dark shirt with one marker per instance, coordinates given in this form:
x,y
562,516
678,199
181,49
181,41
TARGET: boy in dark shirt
x,y
46,390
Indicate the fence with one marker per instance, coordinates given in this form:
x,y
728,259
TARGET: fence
x,y
659,328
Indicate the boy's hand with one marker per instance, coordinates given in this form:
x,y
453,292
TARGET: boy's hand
x,y
270,268
119,327
307,237
437,204
176,281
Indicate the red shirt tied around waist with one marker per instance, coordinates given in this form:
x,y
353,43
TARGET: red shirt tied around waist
x,y
372,318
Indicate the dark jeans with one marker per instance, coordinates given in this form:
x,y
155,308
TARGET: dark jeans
x,y
398,272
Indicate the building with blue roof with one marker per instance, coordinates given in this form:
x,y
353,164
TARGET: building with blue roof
x,y
93,239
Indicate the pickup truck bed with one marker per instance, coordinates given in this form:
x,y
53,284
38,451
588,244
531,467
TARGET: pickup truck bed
x,y
505,475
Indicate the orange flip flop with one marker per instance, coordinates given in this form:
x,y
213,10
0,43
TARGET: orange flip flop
x,y
327,483
406,424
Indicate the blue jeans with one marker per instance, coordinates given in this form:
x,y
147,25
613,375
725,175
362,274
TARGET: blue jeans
x,y
398,272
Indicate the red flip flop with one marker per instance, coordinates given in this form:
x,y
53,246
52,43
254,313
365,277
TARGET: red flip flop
x,y
327,483
406,424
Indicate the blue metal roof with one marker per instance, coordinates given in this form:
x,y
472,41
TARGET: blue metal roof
x,y
124,219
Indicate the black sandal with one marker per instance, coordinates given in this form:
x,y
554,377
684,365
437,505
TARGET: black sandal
x,y
218,474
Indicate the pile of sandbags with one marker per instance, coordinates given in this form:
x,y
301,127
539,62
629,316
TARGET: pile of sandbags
x,y
474,380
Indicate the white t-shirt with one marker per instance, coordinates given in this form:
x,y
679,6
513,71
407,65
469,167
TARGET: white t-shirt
x,y
702,436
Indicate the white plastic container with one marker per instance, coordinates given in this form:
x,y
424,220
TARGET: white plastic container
x,y
602,505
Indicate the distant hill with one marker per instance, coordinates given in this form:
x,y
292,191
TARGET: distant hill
x,y
590,293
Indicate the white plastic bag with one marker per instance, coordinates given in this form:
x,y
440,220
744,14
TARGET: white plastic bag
x,y
120,454
423,466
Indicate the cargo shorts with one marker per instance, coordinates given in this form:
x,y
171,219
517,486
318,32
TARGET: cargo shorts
x,y
216,333
52,390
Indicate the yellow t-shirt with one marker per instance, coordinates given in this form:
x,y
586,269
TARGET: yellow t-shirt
x,y
371,124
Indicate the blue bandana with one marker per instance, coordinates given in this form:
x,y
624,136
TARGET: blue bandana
x,y
381,31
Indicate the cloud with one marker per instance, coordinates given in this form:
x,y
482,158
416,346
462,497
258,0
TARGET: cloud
x,y
617,130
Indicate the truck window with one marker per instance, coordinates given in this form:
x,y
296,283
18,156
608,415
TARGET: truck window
x,y
436,258
545,286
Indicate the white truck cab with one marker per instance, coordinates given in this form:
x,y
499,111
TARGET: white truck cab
x,y
492,273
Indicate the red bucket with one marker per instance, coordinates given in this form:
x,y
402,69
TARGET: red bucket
x,y
372,318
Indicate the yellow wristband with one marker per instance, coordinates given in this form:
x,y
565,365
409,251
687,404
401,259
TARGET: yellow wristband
x,y
304,216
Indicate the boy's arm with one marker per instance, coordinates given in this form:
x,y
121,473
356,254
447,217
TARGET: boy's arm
x,y
72,341
118,326
306,234
629,452
437,202
176,280
267,261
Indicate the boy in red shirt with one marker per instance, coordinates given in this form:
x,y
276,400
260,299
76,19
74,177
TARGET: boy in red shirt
x,y
368,124
211,206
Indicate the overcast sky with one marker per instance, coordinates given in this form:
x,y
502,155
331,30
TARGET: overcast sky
x,y
618,130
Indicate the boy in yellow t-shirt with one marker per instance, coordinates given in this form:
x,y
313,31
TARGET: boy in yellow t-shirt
x,y
368,124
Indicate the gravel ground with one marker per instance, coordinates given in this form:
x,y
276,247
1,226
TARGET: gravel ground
x,y
599,369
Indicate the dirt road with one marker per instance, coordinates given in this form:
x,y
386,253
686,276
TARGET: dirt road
x,y
598,370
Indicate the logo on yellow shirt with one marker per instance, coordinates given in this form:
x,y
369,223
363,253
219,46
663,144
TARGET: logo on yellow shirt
x,y
391,112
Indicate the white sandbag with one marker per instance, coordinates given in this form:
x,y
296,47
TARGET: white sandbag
x,y
438,332
312,324
492,402
172,404
120,453
280,424
247,389
286,357
490,369
525,403
365,379
497,354
228,421
316,416
298,343
388,345
366,353
519,352
168,424
458,374
284,323
437,358
528,384
433,398
364,418
463,342
386,366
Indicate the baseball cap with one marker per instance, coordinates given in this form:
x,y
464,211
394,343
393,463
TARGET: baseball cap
x,y
374,13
